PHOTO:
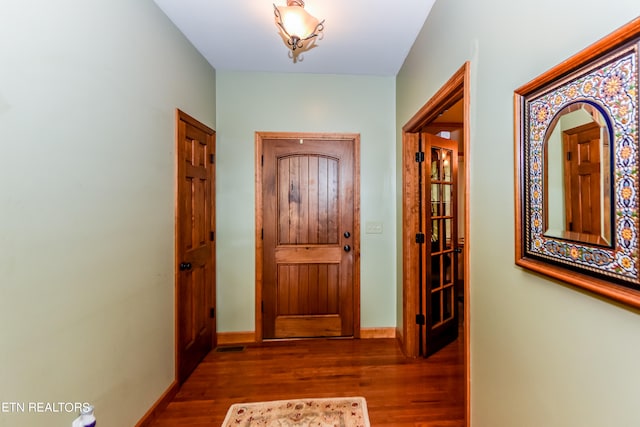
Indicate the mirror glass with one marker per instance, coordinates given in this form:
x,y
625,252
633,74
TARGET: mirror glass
x,y
577,153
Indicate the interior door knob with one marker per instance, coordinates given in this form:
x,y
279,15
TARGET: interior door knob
x,y
347,234
185,266
347,248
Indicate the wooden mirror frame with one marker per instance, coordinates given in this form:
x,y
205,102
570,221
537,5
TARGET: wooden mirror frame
x,y
606,75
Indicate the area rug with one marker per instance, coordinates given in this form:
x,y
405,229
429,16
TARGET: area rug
x,y
335,412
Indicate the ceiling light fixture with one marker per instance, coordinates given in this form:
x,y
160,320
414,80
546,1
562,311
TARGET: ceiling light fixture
x,y
296,24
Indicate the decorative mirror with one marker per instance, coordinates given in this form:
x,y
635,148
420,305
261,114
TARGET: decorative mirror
x,y
577,160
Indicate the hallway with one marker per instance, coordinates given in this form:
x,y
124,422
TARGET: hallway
x,y
399,391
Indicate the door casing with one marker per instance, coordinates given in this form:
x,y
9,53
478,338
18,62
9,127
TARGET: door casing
x,y
455,89
259,137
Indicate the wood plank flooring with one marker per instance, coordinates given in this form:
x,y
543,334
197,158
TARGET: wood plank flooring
x,y
399,391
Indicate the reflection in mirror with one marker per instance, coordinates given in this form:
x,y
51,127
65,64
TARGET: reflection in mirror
x,y
577,175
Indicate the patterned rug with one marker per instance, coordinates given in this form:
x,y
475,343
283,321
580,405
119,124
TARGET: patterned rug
x,y
335,412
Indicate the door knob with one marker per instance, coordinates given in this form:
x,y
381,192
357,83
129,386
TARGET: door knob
x,y
347,248
185,266
347,234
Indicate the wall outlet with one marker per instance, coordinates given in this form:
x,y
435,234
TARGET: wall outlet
x,y
373,227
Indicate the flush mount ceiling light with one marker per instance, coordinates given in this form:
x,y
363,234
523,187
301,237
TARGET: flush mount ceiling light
x,y
296,25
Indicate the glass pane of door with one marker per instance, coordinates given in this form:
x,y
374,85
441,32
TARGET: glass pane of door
x,y
436,209
447,303
448,268
447,207
436,307
447,166
436,276
435,165
436,241
447,244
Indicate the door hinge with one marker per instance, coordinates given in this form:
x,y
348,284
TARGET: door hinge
x,y
212,312
261,160
212,158
420,320
568,156
262,234
212,236
419,237
420,157
262,306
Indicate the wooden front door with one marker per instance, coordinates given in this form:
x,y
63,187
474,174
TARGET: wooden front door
x,y
439,245
195,246
582,179
310,236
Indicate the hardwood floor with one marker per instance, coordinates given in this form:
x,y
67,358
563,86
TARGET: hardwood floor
x,y
399,391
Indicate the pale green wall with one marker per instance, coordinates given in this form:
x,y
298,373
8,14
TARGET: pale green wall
x,y
542,354
88,91
250,102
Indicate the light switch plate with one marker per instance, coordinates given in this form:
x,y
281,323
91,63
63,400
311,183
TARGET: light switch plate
x,y
373,227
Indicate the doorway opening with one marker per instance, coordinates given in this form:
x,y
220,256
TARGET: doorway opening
x,y
445,114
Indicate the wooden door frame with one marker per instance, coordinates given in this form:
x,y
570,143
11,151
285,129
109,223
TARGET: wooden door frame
x,y
454,90
259,137
181,115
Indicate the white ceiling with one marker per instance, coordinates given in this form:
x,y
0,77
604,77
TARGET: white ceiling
x,y
360,37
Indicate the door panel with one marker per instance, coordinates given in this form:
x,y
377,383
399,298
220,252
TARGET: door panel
x,y
439,224
308,261
195,248
307,200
